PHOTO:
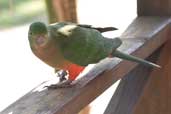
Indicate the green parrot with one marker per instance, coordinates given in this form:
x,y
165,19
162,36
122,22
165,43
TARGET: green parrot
x,y
72,47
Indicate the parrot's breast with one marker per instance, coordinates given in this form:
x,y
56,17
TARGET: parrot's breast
x,y
49,54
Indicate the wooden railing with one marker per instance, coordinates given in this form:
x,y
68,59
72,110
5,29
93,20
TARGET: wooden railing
x,y
142,90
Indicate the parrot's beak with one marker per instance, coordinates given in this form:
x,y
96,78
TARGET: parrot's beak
x,y
40,40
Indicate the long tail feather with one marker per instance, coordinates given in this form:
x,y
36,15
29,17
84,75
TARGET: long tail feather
x,y
134,59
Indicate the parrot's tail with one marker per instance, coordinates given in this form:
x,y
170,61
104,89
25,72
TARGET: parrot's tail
x,y
125,56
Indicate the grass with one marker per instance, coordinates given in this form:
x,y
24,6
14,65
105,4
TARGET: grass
x,y
23,12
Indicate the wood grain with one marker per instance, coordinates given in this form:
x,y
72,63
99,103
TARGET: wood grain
x,y
101,77
65,10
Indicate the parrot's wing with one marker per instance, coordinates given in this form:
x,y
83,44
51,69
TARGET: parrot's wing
x,y
100,29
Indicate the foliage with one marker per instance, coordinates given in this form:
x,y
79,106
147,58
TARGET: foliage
x,y
4,4
23,11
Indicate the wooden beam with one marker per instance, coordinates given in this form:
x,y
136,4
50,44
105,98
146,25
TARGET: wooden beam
x,y
154,7
156,98
101,77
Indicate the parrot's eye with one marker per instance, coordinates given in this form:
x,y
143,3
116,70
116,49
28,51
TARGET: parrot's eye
x,y
30,33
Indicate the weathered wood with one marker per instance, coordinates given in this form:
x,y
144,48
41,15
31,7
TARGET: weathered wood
x,y
52,15
129,89
61,10
156,98
65,10
102,76
154,7
142,27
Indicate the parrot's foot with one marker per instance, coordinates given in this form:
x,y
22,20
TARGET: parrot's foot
x,y
63,84
62,75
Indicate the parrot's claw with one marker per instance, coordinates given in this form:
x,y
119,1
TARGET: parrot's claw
x,y
62,75
63,84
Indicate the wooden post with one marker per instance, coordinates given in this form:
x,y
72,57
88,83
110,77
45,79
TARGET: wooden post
x,y
154,7
61,10
130,88
52,16
156,98
132,85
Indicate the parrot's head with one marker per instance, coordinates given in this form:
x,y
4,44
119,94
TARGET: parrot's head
x,y
38,34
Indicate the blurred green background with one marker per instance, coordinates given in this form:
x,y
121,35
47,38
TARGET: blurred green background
x,y
17,12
